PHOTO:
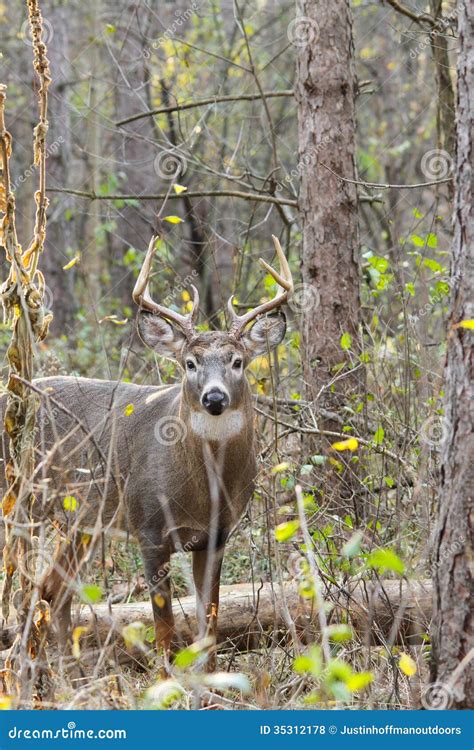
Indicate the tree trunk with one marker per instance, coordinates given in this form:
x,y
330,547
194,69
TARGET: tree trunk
x,y
330,301
445,99
60,235
453,607
133,153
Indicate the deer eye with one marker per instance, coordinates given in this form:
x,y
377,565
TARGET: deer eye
x,y
237,364
190,364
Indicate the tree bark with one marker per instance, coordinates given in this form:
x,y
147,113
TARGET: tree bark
x,y
60,236
249,617
453,607
330,298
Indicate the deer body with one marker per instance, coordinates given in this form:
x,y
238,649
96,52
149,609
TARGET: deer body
x,y
172,465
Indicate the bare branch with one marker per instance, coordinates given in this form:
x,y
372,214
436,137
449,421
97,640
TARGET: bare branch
x,y
204,102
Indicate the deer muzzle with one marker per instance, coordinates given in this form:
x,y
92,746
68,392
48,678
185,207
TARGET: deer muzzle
x,y
215,401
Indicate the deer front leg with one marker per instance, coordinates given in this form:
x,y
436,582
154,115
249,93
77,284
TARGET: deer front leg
x,y
207,566
156,561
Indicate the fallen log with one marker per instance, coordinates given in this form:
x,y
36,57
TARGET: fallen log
x,y
252,617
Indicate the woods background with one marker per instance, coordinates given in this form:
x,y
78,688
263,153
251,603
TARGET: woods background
x,y
332,127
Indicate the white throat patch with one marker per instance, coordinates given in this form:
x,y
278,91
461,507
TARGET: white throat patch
x,y
217,429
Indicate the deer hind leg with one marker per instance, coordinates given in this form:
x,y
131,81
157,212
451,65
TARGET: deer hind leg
x,y
58,587
207,565
156,562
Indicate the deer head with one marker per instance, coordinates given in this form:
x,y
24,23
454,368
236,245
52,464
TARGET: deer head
x,y
213,362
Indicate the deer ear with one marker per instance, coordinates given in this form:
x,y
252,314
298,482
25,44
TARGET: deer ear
x,y
265,334
160,335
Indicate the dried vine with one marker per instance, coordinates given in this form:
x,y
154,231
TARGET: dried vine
x,y
22,296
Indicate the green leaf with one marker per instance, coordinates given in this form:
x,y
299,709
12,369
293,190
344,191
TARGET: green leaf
x,y
432,240
352,547
90,593
385,559
433,265
188,656
380,264
417,214
346,341
318,460
339,670
285,531
340,633
417,240
379,436
311,662
410,288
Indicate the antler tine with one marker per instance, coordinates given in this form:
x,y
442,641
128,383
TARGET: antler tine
x,y
285,281
142,297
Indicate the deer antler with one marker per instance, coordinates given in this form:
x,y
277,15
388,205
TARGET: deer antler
x,y
141,296
285,281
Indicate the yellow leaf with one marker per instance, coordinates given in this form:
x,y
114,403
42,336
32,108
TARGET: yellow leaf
x,y
70,503
129,409
159,600
5,702
279,468
76,635
173,220
285,531
113,319
8,503
469,324
407,665
72,262
178,189
351,444
185,296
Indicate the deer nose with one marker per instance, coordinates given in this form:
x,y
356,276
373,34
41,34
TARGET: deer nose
x,y
215,401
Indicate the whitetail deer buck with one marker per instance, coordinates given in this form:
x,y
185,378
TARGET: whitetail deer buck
x,y
173,465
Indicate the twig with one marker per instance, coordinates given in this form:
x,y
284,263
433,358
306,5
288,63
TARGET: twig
x,y
259,197
386,185
178,107
329,433
417,17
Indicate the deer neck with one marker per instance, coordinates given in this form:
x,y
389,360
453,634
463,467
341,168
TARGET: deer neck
x,y
231,427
